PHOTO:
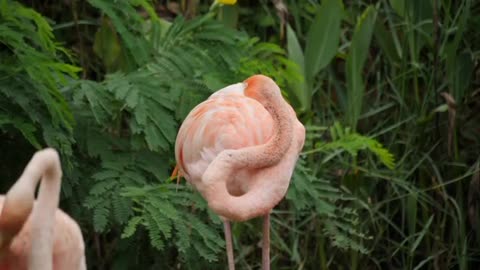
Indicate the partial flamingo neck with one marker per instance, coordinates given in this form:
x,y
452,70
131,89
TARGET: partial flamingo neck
x,y
47,163
44,165
272,152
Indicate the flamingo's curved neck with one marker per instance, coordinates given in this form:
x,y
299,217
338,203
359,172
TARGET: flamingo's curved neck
x,y
267,192
43,214
272,152
44,165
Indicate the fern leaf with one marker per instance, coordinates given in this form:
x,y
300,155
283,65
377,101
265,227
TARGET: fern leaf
x,y
100,216
132,226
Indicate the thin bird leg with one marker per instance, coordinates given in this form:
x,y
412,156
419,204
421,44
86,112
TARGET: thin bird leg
x,y
266,243
228,240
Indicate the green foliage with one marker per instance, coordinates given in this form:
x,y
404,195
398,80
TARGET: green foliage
x,y
31,76
321,47
310,193
323,37
270,59
401,72
129,25
142,101
354,65
166,212
343,139
129,122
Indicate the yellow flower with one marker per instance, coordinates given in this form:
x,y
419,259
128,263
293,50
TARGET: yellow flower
x,y
227,2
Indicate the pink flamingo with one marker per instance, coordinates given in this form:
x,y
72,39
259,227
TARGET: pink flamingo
x,y
239,149
37,235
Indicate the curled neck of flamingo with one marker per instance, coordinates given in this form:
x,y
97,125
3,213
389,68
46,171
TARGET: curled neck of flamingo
x,y
44,165
257,201
272,152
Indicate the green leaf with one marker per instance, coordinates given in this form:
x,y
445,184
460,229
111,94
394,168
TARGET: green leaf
x,y
131,226
107,46
352,142
32,74
459,71
295,54
398,6
459,65
385,41
356,57
323,37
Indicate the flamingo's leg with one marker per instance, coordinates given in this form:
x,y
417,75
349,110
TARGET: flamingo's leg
x,y
228,241
266,243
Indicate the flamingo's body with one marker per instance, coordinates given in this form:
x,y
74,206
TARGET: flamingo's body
x,y
239,149
68,245
35,235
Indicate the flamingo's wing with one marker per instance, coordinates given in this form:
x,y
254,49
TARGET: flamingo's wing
x,y
68,245
227,120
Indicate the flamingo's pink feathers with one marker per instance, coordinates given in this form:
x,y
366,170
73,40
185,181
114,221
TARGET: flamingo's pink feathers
x,y
68,246
224,141
36,235
227,120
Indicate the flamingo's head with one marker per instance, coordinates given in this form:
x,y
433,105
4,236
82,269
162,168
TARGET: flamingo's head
x,y
261,88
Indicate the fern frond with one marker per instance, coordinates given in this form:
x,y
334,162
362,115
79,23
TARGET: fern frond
x,y
131,226
101,216
154,232
346,140
168,217
31,75
308,192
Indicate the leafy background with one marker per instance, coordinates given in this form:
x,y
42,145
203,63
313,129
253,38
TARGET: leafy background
x,y
388,91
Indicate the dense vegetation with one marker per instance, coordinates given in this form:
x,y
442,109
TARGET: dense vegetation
x,y
389,177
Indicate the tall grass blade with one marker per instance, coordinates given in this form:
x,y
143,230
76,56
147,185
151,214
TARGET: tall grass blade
x,y
295,53
355,62
322,41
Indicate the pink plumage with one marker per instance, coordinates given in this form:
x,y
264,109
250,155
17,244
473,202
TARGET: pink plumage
x,y
239,149
227,120
36,235
68,245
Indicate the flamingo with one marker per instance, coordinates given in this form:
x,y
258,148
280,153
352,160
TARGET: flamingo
x,y
238,149
37,235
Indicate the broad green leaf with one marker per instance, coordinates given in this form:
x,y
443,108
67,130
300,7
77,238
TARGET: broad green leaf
x,y
459,72
323,37
459,67
411,211
107,46
228,14
355,61
139,51
418,20
385,41
321,45
398,6
295,54
422,24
